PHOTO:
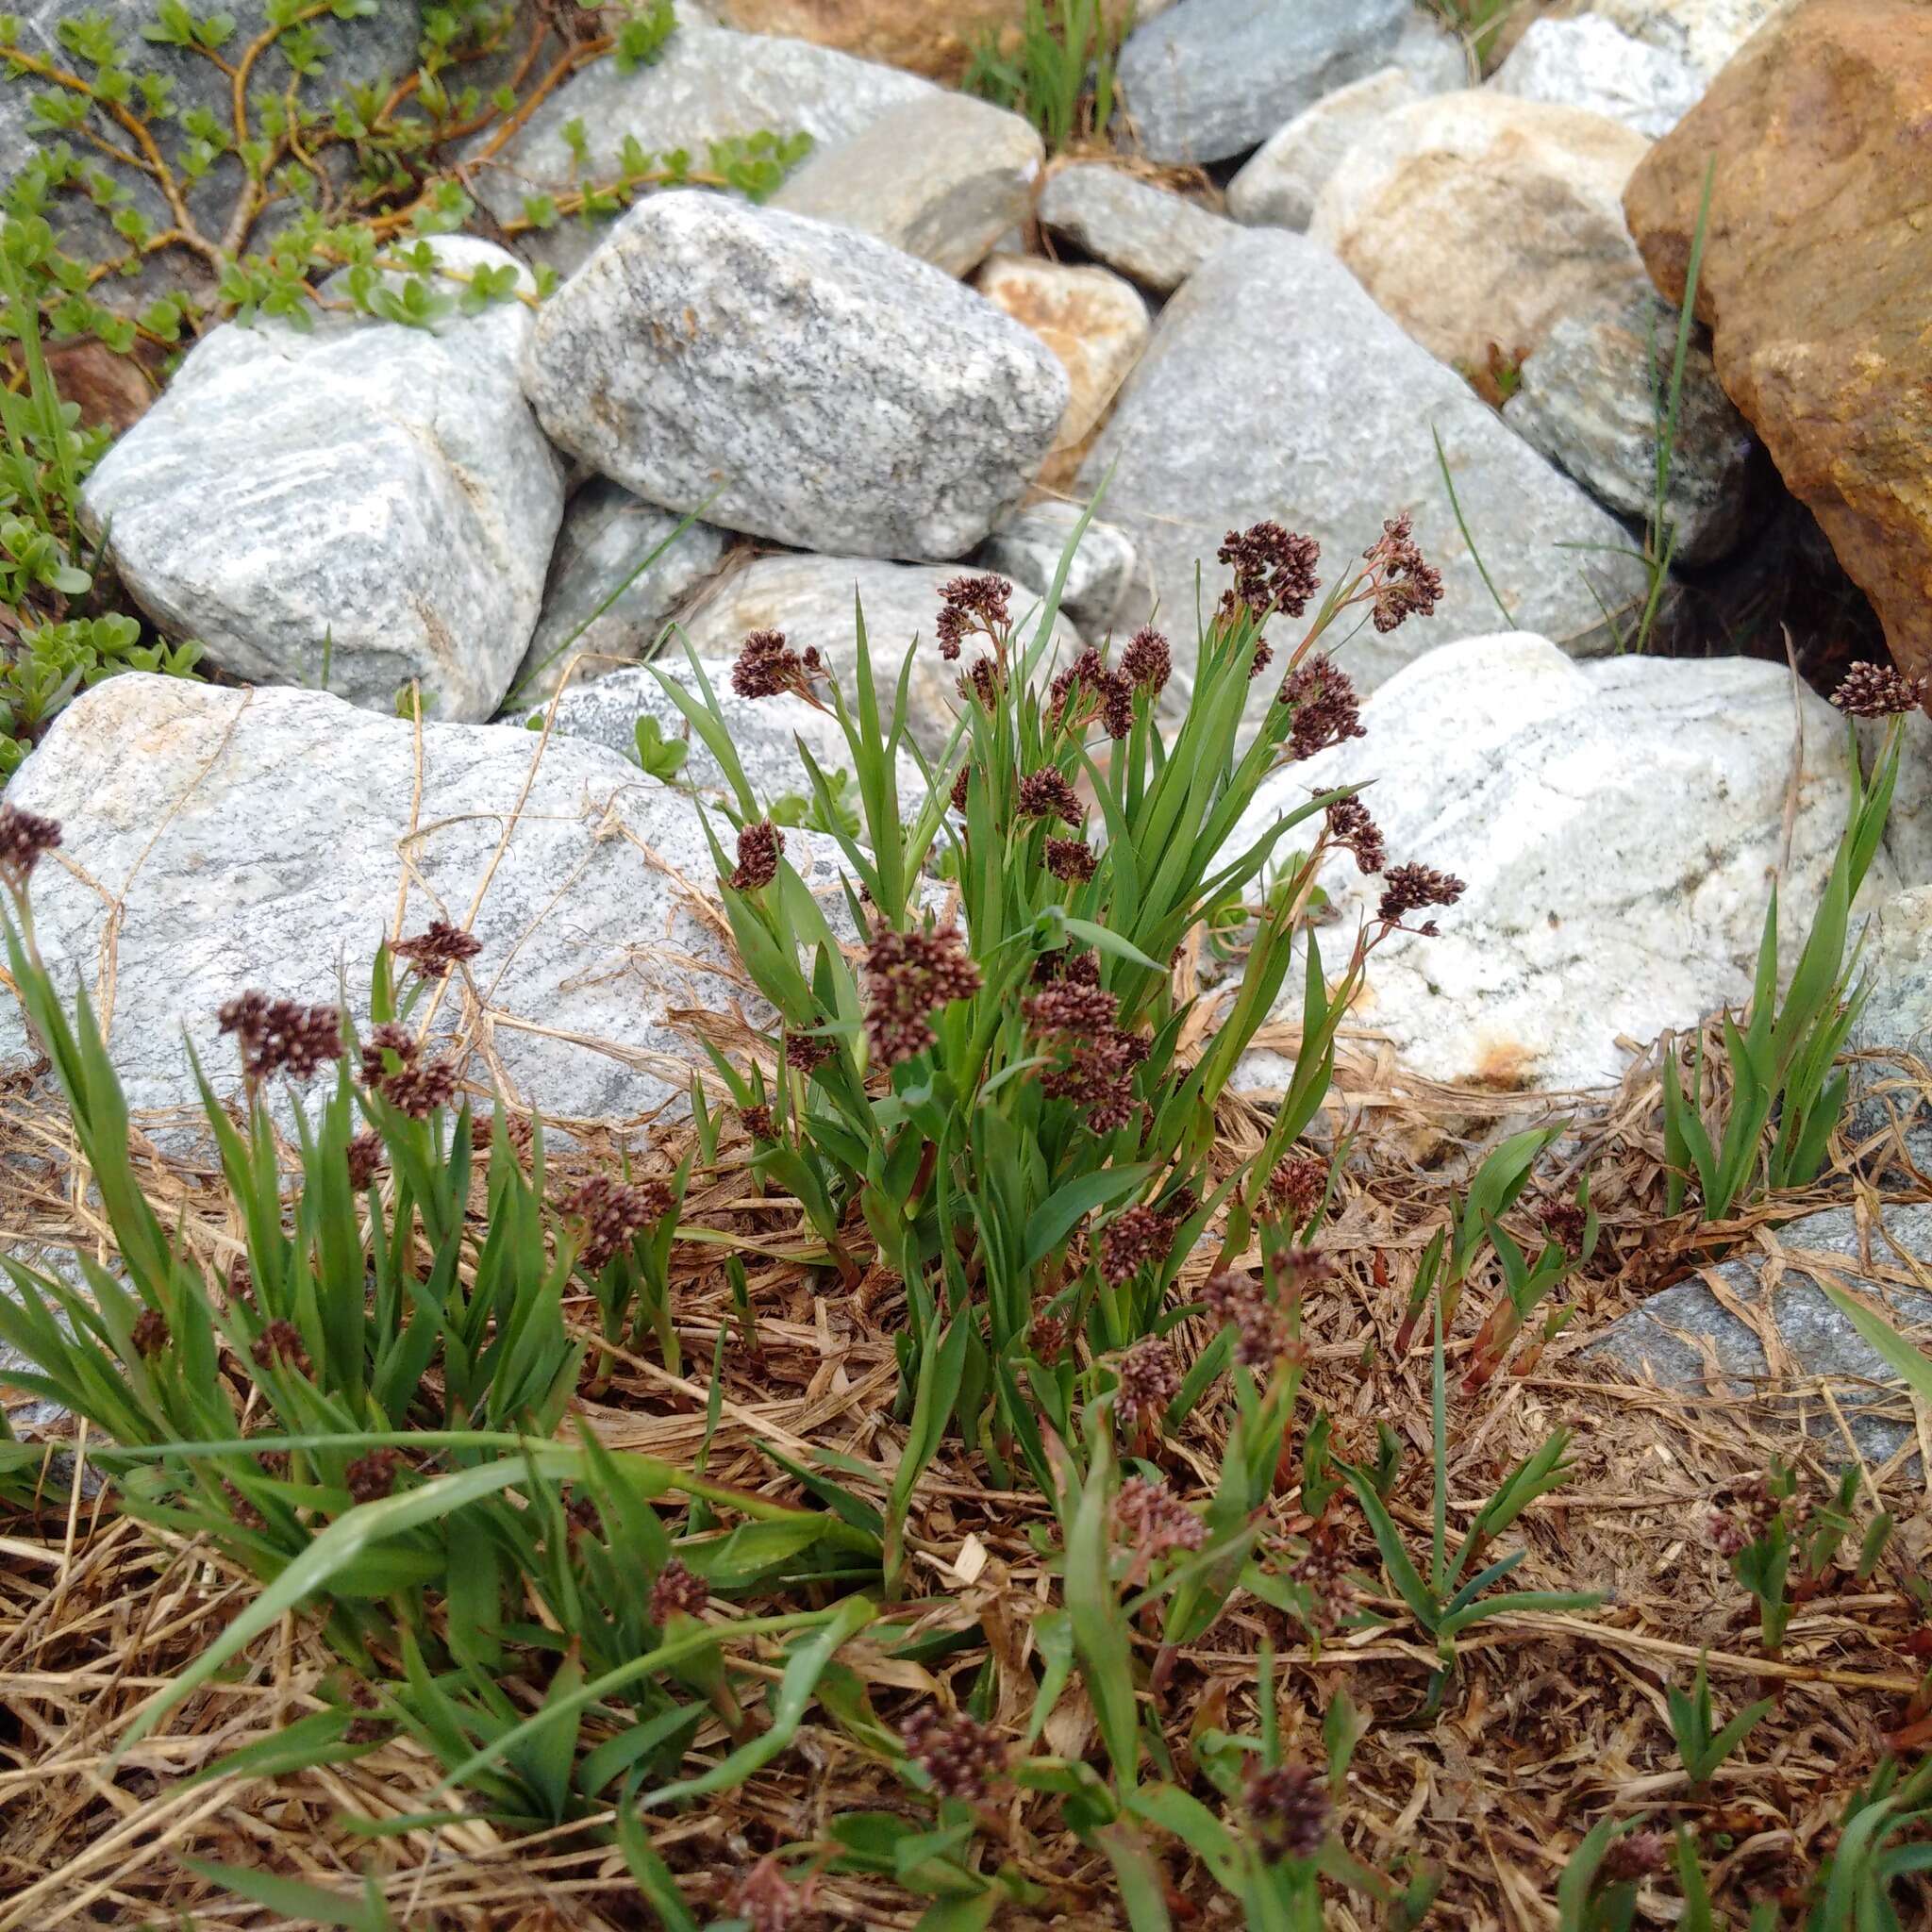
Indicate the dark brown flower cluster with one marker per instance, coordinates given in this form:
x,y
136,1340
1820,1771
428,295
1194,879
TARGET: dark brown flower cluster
x,y
1406,585
281,1341
806,1052
907,975
1070,1008
960,1755
612,1212
1298,1185
1877,690
416,1087
758,1121
759,848
1085,687
1635,1855
677,1590
984,681
282,1036
1150,1377
1072,859
767,665
1567,1224
516,1130
1046,794
1235,1299
1324,1573
1099,1073
439,950
969,605
1147,662
389,1037
767,1902
1326,709
150,1335
366,1158
25,837
1734,1531
372,1477
1350,824
1273,569
1130,1240
1153,1520
1046,1336
1288,1810
1407,888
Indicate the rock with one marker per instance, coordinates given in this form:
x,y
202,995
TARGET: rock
x,y
1276,388
1817,261
1685,1339
938,40
1704,33
1029,546
1279,187
764,731
1211,78
1588,404
1436,59
1909,830
943,179
606,533
261,838
793,380
1475,218
1156,237
1896,1021
108,390
1588,62
374,497
1096,324
1617,824
811,600
707,85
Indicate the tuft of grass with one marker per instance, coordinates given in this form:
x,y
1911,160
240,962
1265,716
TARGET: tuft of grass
x,y
1061,74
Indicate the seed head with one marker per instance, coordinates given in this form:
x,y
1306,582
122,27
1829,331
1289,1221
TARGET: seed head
x,y
960,1755
1350,824
1072,859
1273,569
1235,1298
366,1158
1407,888
1324,1573
1069,1009
150,1333
372,1477
760,845
1100,689
1150,1378
613,1212
767,665
959,790
1147,662
388,1038
1567,1223
808,1051
1047,1336
420,1089
1326,709
1130,1240
24,836
1405,586
1046,794
1288,1810
759,1122
1877,690
282,1036
908,976
1298,1185
1635,1855
767,1903
969,605
439,950
1154,1520
281,1341
676,1591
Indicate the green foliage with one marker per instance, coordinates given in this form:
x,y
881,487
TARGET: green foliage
x,y
1060,77
1702,1748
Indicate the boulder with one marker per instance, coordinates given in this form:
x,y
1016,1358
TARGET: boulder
x,y
1704,33
1895,1022
707,84
1588,401
811,600
1618,827
1212,78
271,839
1438,60
1152,234
943,179
1591,63
1909,830
1815,276
1279,185
606,534
1274,388
793,380
1687,1338
364,502
1028,546
1095,322
1475,218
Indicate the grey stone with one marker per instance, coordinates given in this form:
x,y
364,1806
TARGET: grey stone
x,y
1589,62
1909,829
606,533
1588,403
1279,187
1274,388
1618,827
1679,1336
370,497
1704,33
1154,236
794,380
1895,1090
266,839
943,179
1028,547
811,600
1209,78
1432,57
708,84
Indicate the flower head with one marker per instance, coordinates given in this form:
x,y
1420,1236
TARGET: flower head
x,y
1405,586
1407,888
1147,662
1152,1518
760,847
1130,1240
1072,859
372,1477
281,1341
1097,688
1273,569
1150,1378
908,976
420,1088
806,1050
767,665
282,1036
1350,824
969,605
1235,1298
366,1157
1288,1808
1046,794
438,950
612,1212
960,1755
1877,690
1298,1185
1070,1008
24,836
767,1901
1635,1855
1326,709
676,1591
150,1334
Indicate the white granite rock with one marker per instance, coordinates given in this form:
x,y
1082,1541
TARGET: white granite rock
x,y
262,838
794,380
606,534
1156,236
1909,829
1211,78
811,600
1704,33
1588,401
943,179
1279,185
1438,60
1589,62
707,84
1274,388
1475,218
1028,546
1896,1022
372,496
1618,825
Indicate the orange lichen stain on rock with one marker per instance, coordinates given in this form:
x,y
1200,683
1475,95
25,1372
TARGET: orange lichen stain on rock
x,y
1505,1066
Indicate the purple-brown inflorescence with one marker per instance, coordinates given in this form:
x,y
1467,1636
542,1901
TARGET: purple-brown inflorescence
x,y
1088,686
767,665
1150,1518
1324,1573
1635,1855
960,1755
1350,824
1288,1810
439,950
908,976
612,1212
1877,690
1072,859
280,1343
676,1591
969,605
1046,794
282,1036
1298,1185
767,1901
366,1158
1132,1239
1407,888
150,1334
805,1052
387,1039
1274,570
1150,1378
1406,585
1147,662
1070,1008
760,847
420,1088
372,1477
1235,1299
1326,709
25,836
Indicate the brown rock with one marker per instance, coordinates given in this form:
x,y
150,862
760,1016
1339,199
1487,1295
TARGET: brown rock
x,y
109,388
1817,276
